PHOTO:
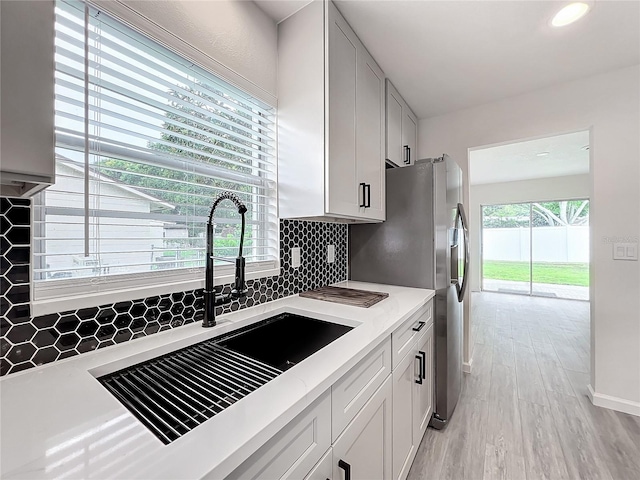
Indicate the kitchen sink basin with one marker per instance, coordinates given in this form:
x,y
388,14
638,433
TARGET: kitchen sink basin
x,y
284,340
174,393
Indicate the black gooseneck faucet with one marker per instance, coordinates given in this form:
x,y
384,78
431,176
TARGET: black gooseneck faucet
x,y
211,299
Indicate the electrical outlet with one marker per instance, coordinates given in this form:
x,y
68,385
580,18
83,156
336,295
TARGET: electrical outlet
x,y
331,253
295,257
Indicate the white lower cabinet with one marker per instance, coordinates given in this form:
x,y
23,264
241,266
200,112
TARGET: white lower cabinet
x,y
412,395
323,469
363,451
404,446
423,393
354,389
368,425
295,449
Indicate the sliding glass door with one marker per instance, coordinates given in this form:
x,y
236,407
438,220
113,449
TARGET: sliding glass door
x,y
537,248
506,249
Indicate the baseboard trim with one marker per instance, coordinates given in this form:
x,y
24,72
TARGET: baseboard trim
x,y
467,366
613,403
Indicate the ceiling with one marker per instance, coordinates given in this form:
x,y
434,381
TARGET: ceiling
x,y
278,10
444,56
555,156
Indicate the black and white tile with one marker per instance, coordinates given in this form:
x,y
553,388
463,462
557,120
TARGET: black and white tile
x,y
29,341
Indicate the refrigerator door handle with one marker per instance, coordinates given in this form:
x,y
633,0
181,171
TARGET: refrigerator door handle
x,y
465,273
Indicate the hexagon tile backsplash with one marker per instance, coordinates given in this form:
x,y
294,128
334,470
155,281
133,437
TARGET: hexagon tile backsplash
x,y
27,341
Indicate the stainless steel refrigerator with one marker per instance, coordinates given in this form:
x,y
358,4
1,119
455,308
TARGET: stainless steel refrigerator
x,y
423,243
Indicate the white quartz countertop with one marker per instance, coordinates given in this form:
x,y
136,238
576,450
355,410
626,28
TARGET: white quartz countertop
x,y
57,420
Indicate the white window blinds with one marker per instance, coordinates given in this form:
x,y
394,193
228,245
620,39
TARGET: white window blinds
x,y
145,140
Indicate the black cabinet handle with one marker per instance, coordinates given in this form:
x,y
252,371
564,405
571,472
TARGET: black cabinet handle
x,y
347,469
407,154
419,327
364,188
368,187
421,374
423,362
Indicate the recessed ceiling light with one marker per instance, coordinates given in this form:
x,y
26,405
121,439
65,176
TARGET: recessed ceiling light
x,y
569,14
542,154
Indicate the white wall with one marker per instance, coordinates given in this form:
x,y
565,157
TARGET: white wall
x,y
539,189
235,38
609,105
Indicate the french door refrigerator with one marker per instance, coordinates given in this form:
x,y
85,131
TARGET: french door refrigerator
x,y
423,243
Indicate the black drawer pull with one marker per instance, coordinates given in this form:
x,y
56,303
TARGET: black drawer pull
x,y
419,327
421,374
368,187
364,187
407,154
347,469
423,361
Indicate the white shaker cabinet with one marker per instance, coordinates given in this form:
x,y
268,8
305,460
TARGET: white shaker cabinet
x,y
330,120
293,451
27,160
363,451
412,387
402,129
404,445
423,392
323,469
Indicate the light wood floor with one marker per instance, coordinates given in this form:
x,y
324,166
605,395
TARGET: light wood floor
x,y
524,411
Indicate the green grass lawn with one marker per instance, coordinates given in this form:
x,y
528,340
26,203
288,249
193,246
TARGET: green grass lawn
x,y
556,273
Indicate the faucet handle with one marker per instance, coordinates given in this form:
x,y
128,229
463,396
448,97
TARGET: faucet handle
x,y
239,294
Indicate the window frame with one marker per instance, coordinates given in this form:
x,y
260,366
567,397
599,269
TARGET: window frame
x,y
63,295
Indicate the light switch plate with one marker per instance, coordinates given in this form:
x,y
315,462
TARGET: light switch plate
x,y
295,257
331,253
625,251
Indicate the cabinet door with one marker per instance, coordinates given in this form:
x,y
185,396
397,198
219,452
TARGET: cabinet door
x,y
404,378
323,469
403,339
353,390
394,126
370,135
342,193
293,451
423,394
27,96
364,448
409,137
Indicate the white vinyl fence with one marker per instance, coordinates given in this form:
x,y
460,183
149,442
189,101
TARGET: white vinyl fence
x,y
550,244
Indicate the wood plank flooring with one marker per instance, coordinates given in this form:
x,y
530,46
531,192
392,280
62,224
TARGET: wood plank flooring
x,y
524,413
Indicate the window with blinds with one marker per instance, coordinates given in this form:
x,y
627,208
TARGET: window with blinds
x,y
145,140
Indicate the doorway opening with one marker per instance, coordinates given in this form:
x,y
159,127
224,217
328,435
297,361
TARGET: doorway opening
x,y
536,248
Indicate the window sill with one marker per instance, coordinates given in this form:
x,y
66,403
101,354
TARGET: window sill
x,y
94,299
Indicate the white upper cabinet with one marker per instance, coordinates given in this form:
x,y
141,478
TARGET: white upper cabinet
x,y
27,160
330,120
402,130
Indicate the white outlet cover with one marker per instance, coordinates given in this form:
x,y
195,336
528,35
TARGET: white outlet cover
x,y
295,257
331,253
625,251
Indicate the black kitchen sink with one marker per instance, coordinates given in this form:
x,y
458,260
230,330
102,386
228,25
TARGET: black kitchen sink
x,y
174,393
284,340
